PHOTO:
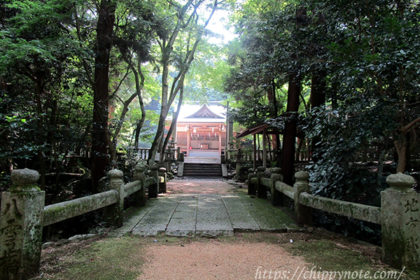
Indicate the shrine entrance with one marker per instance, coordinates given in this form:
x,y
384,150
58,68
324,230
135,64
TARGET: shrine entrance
x,y
201,136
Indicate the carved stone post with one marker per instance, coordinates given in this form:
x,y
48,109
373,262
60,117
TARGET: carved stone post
x,y
21,226
238,164
400,216
303,213
140,175
252,182
181,157
162,180
261,191
154,188
276,196
114,212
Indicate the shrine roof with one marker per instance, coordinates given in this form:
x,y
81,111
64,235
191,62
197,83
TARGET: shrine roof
x,y
202,114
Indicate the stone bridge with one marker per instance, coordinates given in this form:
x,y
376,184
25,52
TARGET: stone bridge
x,y
204,207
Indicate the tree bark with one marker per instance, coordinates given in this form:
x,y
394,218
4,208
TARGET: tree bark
x,y
318,88
272,99
139,87
174,122
288,155
402,144
317,99
118,129
104,30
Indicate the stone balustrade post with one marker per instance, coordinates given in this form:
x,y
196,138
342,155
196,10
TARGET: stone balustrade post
x,y
238,164
400,219
113,213
303,213
154,188
276,196
21,226
252,182
162,180
140,175
261,189
181,157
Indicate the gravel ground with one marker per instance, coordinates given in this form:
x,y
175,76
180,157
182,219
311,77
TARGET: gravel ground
x,y
196,185
218,260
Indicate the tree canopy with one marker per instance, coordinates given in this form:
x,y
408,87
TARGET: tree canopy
x,y
88,80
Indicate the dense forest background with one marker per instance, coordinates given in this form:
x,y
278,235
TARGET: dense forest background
x,y
84,81
343,76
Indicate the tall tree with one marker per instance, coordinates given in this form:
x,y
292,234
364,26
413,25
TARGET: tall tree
x,y
104,31
290,129
37,69
187,20
137,27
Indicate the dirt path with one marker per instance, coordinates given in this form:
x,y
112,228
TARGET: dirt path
x,y
216,260
258,255
198,186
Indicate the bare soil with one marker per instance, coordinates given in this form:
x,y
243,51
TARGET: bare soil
x,y
260,255
218,260
202,186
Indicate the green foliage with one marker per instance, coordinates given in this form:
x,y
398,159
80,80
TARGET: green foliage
x,y
42,89
369,52
342,135
373,80
204,80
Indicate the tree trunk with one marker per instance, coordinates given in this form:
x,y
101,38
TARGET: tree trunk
x,y
272,98
158,138
318,88
288,160
169,97
174,121
163,108
118,129
104,30
401,147
317,99
402,144
139,87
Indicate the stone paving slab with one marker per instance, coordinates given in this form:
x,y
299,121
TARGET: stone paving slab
x,y
268,217
157,219
132,217
205,215
212,217
239,216
184,218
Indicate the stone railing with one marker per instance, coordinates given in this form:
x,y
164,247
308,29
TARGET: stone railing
x,y
23,214
246,155
399,214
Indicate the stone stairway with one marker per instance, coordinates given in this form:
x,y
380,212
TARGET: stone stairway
x,y
202,170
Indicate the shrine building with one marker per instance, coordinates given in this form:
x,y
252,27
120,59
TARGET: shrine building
x,y
202,131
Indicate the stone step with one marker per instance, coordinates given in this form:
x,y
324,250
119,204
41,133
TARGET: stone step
x,y
209,170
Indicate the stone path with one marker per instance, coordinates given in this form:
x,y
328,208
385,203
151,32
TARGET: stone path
x,y
205,215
